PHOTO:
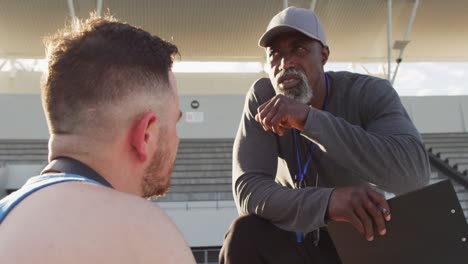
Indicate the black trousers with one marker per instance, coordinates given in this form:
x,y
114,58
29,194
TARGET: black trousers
x,y
252,239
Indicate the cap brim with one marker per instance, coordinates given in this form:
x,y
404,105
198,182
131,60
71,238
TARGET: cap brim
x,y
275,31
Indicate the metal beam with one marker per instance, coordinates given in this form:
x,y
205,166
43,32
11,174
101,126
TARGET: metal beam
x,y
15,64
71,7
3,63
74,19
313,4
389,38
285,4
411,20
34,64
99,8
405,37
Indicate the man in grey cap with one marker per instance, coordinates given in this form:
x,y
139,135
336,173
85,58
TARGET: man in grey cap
x,y
309,147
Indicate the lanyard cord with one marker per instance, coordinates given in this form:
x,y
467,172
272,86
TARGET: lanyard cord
x,y
303,170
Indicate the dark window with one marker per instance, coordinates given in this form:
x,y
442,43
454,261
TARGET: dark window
x,y
206,255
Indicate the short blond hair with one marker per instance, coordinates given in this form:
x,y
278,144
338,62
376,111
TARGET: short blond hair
x,y
100,60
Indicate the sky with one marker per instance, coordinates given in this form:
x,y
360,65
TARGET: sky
x,y
413,78
420,78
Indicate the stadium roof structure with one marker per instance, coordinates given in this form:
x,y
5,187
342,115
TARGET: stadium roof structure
x,y
227,30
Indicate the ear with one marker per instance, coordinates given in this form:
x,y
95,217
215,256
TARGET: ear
x,y
325,53
141,135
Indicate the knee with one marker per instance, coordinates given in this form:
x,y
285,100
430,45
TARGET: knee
x,y
241,241
248,225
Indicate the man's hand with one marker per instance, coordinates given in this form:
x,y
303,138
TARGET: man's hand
x,y
362,207
281,112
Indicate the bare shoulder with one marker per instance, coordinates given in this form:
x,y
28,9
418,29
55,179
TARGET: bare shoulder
x,y
81,222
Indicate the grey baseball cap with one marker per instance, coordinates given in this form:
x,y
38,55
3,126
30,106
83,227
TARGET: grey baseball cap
x,y
294,19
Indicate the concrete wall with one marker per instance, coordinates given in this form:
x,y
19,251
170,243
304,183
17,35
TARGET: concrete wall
x,y
220,95
3,180
221,116
18,174
438,114
21,116
203,224
215,83
22,82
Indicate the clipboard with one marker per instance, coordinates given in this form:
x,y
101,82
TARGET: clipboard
x,y
428,226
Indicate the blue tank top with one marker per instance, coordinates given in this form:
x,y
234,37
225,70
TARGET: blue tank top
x,y
34,184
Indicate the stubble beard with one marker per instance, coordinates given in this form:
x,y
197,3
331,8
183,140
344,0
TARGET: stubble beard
x,y
156,181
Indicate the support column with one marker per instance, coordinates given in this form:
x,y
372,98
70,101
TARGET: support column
x,y
99,8
405,38
313,4
389,38
71,7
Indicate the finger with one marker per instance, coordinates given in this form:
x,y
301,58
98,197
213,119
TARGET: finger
x,y
281,130
354,220
263,111
366,222
259,120
262,106
281,115
258,117
272,116
279,118
260,111
382,204
269,104
277,123
376,215
276,130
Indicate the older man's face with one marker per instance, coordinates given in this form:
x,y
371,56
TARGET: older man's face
x,y
296,65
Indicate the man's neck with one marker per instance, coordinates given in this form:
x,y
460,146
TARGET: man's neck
x,y
103,159
320,95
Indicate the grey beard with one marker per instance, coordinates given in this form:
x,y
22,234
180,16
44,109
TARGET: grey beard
x,y
301,92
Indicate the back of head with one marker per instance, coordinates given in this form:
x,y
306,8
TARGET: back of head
x,y
94,66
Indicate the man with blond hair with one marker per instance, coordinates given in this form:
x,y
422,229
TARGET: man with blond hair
x,y
111,105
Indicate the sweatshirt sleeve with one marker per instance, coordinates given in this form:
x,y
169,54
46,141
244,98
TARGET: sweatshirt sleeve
x,y
255,161
385,150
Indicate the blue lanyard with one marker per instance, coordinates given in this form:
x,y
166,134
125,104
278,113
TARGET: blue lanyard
x,y
303,170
